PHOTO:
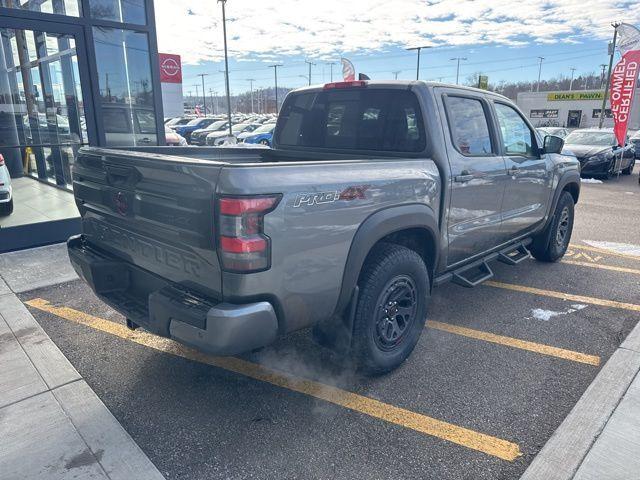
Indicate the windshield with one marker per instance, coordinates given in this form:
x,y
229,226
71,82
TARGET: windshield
x,y
265,128
591,138
241,127
353,119
179,121
195,122
217,125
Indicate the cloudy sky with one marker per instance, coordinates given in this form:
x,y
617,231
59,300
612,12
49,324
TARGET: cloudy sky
x,y
501,38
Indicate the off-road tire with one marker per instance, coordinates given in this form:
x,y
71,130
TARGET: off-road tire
x,y
552,243
392,274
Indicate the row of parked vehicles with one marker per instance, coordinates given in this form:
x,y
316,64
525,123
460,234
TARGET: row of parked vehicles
x,y
598,151
214,130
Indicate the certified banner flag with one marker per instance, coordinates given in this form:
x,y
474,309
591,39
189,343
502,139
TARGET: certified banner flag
x,y
348,70
623,80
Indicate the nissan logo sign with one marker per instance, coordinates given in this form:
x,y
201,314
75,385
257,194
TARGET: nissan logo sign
x,y
170,67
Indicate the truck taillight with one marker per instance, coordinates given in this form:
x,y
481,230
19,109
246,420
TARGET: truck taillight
x,y
243,246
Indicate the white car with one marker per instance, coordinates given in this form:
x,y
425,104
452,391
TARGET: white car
x,y
6,196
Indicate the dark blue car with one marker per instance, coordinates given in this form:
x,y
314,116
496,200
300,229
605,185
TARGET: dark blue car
x,y
195,124
261,135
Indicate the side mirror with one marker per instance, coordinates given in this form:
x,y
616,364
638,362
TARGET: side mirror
x,y
553,144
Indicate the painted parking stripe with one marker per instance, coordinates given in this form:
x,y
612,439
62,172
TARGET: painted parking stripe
x,y
603,267
465,437
604,251
564,296
516,343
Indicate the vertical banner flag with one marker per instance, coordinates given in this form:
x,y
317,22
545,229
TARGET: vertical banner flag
x,y
624,78
348,70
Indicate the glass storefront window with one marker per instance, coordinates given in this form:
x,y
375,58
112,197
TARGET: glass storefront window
x,y
60,7
126,92
125,11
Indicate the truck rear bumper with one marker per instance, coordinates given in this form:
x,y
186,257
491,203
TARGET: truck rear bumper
x,y
169,309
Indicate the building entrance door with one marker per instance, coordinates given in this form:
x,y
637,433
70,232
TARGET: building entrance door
x,y
44,82
573,119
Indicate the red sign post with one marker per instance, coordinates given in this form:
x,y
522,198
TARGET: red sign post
x,y
170,68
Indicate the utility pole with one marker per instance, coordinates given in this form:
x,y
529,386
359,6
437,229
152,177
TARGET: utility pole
x,y
275,75
213,105
418,64
226,64
573,69
197,94
395,74
310,64
606,85
539,74
204,98
251,80
331,64
603,66
458,59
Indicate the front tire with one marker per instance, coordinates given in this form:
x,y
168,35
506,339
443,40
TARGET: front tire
x,y
553,242
6,208
391,309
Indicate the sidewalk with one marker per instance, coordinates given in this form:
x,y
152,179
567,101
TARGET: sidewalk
x,y
600,438
52,425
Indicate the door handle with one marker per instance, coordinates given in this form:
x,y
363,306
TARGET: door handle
x,y
145,140
464,177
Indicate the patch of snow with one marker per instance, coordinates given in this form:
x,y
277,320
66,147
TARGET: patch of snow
x,y
628,193
624,248
590,180
546,315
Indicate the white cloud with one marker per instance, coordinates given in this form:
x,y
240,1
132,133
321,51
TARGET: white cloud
x,y
269,29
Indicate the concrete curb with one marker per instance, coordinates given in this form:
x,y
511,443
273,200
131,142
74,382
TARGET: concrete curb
x,y
566,450
53,424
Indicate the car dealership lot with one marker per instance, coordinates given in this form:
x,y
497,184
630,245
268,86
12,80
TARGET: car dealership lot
x,y
496,372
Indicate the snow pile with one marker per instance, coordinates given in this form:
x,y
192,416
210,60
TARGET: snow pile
x,y
590,180
546,315
623,248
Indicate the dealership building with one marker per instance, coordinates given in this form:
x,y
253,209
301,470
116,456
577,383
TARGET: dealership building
x,y
572,109
72,73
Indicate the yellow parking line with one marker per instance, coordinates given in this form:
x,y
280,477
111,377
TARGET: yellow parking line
x,y
565,296
421,423
516,343
603,250
603,267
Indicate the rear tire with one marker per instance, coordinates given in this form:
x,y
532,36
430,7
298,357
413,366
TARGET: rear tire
x,y
6,208
391,309
553,242
629,169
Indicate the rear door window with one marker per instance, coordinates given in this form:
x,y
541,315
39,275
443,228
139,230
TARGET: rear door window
x,y
469,126
353,119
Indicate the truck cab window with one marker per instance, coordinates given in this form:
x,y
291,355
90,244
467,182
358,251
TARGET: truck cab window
x,y
469,126
517,137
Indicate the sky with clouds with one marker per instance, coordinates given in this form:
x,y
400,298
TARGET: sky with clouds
x,y
376,33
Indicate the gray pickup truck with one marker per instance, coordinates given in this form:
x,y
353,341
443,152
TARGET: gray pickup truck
x,y
373,193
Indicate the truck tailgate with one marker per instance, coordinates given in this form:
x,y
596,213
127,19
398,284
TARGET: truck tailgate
x,y
154,211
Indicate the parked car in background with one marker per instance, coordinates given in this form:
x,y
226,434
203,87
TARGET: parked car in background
x,y
177,121
6,193
199,137
172,138
556,131
261,135
635,141
192,126
222,136
597,150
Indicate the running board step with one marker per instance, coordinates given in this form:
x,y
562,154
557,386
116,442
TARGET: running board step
x,y
473,275
514,256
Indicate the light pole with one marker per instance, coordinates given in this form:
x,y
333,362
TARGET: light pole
x,y
573,69
331,64
603,66
275,75
204,97
418,64
251,80
213,105
458,59
226,64
539,73
195,102
606,85
395,74
310,64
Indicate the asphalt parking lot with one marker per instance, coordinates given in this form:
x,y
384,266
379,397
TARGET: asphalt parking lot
x,y
494,374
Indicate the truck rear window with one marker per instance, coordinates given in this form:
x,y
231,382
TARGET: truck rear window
x,y
353,119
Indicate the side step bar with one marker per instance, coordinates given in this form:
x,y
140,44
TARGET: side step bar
x,y
475,273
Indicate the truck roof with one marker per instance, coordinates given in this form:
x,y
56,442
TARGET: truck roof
x,y
404,84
